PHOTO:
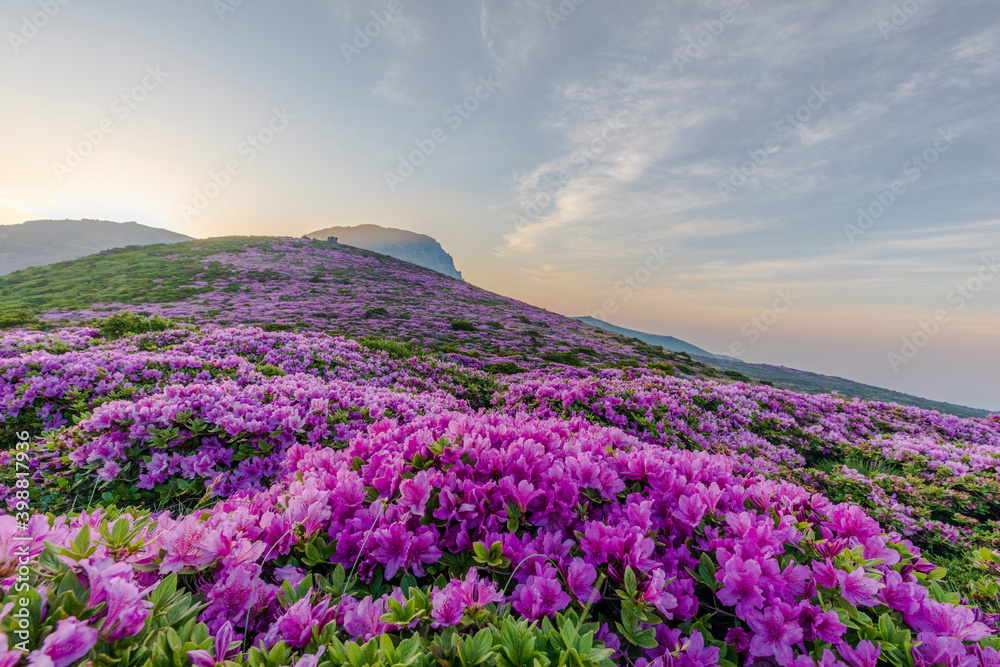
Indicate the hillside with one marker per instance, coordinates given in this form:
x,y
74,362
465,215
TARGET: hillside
x,y
306,284
199,491
789,378
408,246
42,242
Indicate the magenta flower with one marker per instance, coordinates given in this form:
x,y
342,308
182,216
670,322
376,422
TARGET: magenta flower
x,y
865,654
825,626
943,618
657,595
541,595
201,658
691,508
580,577
739,638
365,620
776,630
740,584
902,595
392,548
447,608
71,641
415,493
189,543
397,548
295,626
126,612
857,589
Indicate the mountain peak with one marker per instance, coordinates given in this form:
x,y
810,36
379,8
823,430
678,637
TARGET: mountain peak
x,y
403,244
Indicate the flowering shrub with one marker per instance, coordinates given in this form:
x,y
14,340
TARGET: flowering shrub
x,y
457,522
937,477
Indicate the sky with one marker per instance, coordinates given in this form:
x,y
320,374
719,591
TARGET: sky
x,y
807,183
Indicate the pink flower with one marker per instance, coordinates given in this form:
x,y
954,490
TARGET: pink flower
x,y
944,618
541,595
657,595
865,654
740,584
365,620
580,578
447,608
415,493
189,543
857,589
201,658
392,548
775,629
827,627
71,641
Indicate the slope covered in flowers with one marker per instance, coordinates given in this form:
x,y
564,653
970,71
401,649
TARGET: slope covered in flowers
x,y
238,496
313,285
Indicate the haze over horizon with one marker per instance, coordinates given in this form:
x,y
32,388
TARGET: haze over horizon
x,y
603,141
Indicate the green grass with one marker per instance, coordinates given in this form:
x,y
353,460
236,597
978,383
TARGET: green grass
x,y
131,275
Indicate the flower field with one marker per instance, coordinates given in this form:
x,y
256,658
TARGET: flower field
x,y
442,490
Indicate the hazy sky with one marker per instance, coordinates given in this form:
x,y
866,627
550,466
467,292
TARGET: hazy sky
x,y
727,145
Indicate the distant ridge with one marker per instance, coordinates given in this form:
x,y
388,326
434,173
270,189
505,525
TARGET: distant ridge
x,y
408,246
43,242
790,378
666,342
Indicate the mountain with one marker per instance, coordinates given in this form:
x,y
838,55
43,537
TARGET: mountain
x,y
789,378
408,246
41,242
666,342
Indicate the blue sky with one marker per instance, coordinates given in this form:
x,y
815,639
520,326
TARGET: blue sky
x,y
738,138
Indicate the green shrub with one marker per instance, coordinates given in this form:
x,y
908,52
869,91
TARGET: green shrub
x,y
663,367
463,325
504,368
126,323
391,347
567,358
20,319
